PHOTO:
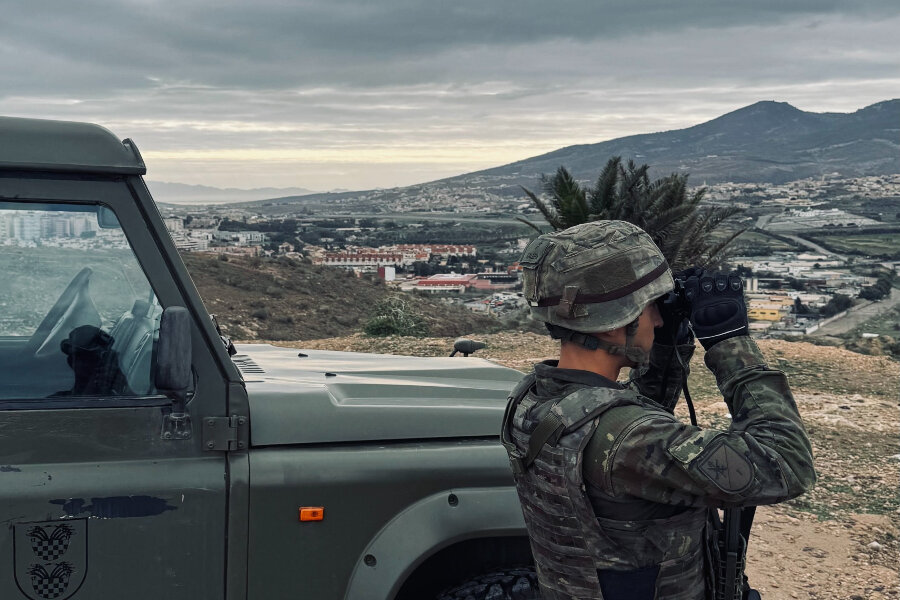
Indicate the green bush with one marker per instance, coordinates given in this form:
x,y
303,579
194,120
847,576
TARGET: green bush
x,y
395,316
837,303
881,289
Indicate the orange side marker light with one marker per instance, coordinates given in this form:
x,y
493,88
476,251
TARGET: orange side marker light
x,y
312,513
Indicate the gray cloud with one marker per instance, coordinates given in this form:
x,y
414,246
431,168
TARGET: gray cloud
x,y
476,83
280,44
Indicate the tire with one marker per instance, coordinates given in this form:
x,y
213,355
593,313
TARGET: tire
x,y
508,584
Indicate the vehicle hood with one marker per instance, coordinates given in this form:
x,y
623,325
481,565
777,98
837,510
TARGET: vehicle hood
x,y
317,396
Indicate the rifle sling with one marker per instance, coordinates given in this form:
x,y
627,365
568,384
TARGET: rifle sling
x,y
549,427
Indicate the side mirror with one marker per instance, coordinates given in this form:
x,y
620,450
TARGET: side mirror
x,y
466,346
173,370
173,354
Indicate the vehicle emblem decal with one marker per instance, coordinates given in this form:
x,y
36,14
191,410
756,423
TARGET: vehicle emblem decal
x,y
50,558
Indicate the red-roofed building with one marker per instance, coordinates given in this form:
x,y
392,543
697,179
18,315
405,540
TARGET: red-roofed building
x,y
446,282
495,281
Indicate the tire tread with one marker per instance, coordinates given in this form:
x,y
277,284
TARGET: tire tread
x,y
508,584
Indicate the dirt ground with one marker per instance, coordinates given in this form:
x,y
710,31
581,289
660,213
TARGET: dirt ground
x,y
839,541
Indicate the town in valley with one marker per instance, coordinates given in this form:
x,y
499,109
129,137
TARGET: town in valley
x,y
811,248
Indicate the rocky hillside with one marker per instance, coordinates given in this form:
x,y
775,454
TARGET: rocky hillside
x,y
283,299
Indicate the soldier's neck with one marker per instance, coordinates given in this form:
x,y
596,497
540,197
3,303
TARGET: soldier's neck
x,y
573,356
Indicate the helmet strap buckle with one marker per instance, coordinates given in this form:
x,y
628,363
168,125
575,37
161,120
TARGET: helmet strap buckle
x,y
566,307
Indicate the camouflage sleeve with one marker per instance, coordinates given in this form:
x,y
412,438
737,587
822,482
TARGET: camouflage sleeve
x,y
764,457
662,381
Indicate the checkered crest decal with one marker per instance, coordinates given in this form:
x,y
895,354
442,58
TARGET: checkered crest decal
x,y
50,558
50,547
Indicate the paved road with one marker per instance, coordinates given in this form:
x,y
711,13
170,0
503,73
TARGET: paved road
x,y
858,314
816,247
419,217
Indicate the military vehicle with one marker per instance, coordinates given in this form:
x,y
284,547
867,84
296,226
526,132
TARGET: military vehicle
x,y
142,457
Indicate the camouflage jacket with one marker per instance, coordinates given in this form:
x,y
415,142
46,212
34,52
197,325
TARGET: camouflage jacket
x,y
647,477
643,463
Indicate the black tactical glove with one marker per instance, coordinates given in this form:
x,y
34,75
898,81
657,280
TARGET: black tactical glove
x,y
718,309
690,272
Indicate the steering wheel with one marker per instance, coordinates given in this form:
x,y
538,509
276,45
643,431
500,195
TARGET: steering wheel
x,y
73,308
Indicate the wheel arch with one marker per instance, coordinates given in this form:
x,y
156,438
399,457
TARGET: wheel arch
x,y
463,561
464,525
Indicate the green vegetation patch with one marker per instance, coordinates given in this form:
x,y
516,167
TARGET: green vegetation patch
x,y
755,243
395,316
883,245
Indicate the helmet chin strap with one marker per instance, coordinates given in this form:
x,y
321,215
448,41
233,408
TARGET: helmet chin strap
x,y
637,357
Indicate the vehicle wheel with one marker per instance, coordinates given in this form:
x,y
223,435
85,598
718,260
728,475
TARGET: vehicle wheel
x,y
509,584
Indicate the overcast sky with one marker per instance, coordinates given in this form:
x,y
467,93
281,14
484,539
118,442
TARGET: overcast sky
x,y
327,94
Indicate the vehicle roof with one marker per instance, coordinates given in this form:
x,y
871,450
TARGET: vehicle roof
x,y
44,145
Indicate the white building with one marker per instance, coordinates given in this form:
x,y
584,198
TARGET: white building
x,y
174,224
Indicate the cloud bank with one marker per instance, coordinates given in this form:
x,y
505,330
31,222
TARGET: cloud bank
x,y
360,94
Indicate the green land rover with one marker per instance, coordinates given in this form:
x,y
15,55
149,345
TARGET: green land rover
x,y
142,457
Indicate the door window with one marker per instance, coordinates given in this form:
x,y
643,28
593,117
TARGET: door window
x,y
77,315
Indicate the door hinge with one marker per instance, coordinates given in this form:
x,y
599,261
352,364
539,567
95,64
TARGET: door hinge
x,y
225,433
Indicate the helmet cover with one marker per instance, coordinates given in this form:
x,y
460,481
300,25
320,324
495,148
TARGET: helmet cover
x,y
593,277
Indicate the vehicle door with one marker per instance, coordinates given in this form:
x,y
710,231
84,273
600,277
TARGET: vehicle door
x,y
96,499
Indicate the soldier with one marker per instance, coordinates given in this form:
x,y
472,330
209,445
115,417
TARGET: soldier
x,y
615,490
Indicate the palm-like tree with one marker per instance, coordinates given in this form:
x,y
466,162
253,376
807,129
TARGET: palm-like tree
x,y
664,208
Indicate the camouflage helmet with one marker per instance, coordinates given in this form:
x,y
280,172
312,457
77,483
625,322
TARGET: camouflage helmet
x,y
593,277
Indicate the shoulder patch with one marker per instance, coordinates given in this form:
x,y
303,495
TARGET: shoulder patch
x,y
726,467
708,451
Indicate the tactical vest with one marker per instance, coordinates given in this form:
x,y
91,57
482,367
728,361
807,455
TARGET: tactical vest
x,y
578,555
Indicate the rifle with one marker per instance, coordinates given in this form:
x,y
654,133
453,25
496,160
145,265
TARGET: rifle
x,y
729,540
728,545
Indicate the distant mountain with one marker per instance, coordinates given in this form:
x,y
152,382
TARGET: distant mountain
x,y
764,142
181,193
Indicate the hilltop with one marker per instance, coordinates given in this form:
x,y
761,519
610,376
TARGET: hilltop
x,y
286,299
768,141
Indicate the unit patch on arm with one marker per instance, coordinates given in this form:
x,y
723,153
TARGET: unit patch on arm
x,y
725,467
709,453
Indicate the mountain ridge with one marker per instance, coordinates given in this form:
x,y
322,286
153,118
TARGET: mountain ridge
x,y
795,147
764,142
171,192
